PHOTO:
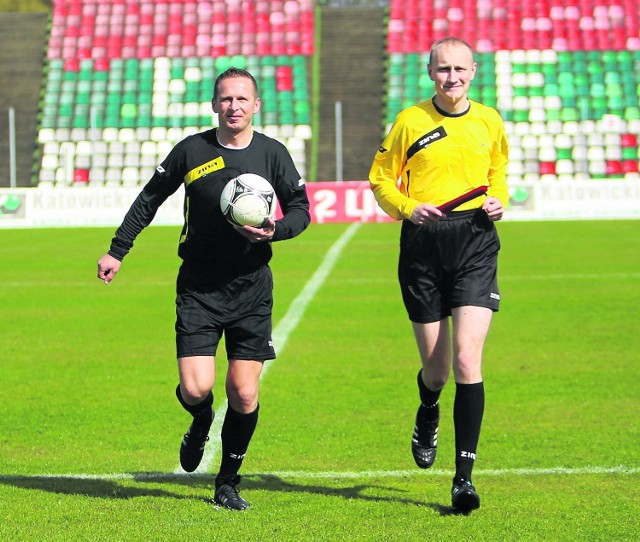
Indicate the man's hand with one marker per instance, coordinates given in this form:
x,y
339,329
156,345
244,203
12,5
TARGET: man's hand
x,y
426,213
258,235
494,208
108,266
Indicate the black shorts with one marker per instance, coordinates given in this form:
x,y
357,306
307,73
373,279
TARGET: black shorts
x,y
447,264
239,307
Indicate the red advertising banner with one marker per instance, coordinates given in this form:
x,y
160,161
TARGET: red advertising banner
x,y
348,201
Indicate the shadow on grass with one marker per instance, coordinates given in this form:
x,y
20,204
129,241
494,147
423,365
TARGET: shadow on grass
x,y
269,482
103,487
274,483
120,487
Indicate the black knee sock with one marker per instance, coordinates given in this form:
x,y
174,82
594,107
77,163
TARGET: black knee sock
x,y
430,408
236,434
202,411
468,408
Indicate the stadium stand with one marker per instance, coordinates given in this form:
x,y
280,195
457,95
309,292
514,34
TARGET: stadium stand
x,y
131,74
565,75
126,79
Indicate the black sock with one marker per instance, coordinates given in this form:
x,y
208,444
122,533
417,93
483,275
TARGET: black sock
x,y
429,409
468,408
236,434
202,411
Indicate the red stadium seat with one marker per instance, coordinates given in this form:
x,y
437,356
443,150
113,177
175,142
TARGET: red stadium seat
x,y
284,78
80,176
101,65
547,168
629,140
72,64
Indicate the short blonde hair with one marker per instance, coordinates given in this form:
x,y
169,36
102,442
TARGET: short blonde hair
x,y
450,40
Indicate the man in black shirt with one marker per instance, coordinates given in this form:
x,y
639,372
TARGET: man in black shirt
x,y
224,284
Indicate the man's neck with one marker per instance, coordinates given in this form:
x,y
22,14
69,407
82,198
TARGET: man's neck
x,y
238,140
453,108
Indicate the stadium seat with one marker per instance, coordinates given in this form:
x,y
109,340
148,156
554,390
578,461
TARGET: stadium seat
x,y
130,176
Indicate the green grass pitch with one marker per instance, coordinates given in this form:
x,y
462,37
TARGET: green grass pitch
x,y
90,429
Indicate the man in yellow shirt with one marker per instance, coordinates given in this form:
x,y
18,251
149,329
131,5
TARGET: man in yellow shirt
x,y
435,151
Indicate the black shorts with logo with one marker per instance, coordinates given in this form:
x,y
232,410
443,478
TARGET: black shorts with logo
x,y
447,264
240,307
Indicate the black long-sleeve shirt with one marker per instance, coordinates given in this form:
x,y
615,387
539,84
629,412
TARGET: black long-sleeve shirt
x,y
204,166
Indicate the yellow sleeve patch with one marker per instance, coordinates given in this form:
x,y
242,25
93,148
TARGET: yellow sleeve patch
x,y
202,170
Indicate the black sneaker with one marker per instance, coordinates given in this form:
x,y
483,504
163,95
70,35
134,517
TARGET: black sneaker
x,y
192,446
464,496
227,495
424,443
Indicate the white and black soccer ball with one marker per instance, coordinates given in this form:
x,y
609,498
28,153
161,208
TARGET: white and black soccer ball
x,y
248,200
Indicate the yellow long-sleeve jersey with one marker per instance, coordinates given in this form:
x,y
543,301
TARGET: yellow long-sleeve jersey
x,y
429,156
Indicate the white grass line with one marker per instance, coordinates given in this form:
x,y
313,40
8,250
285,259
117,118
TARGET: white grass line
x,y
281,334
339,475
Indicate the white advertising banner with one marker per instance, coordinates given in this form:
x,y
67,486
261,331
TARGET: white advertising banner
x,y
350,201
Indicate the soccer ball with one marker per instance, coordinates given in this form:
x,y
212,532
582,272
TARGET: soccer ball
x,y
248,200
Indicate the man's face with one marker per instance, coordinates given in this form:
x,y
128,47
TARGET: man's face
x,y
235,104
452,69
